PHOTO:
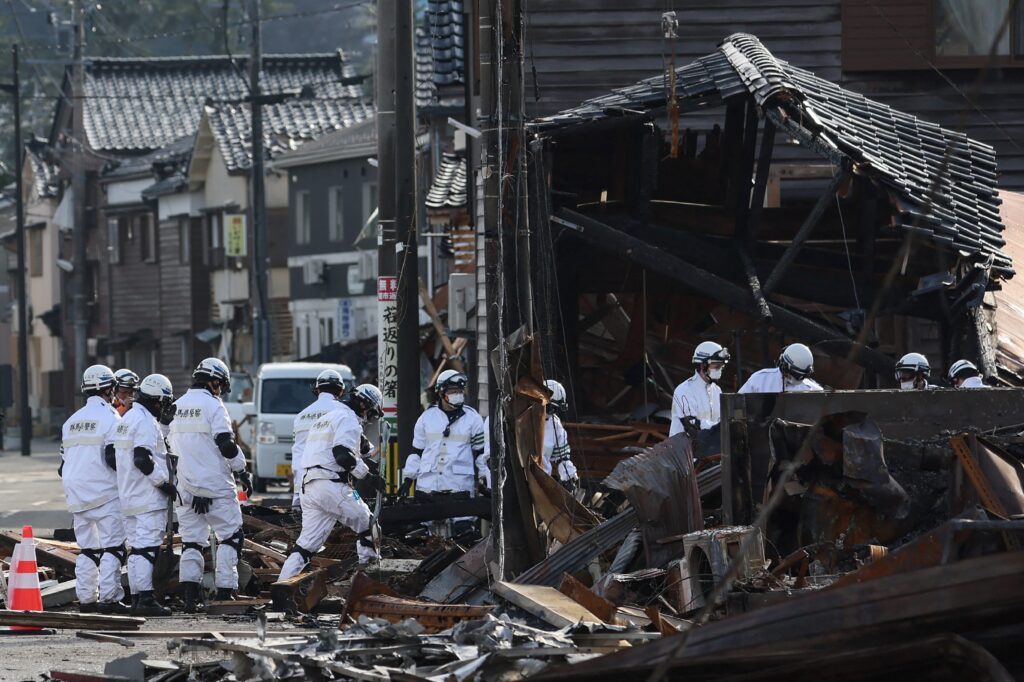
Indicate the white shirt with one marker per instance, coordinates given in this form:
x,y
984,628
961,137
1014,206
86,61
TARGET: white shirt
x,y
696,398
339,426
770,381
88,481
140,429
324,403
973,382
199,417
447,462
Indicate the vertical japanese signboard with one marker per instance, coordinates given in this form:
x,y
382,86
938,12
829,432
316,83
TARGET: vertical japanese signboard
x,y
387,371
234,235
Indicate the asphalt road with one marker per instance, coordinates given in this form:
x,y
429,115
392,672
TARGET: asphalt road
x,y
30,490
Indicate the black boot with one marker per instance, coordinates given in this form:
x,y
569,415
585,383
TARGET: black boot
x,y
88,607
145,605
112,608
225,594
192,595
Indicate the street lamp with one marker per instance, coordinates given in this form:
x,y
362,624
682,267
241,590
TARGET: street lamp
x,y
24,411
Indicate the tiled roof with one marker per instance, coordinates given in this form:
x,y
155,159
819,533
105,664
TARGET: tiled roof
x,y
45,180
285,126
440,57
143,104
356,141
904,154
449,187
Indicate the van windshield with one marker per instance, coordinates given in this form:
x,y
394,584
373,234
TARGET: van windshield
x,y
285,396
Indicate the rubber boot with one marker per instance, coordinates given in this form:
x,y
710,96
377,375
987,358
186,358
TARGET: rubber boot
x,y
145,605
113,608
88,607
193,597
225,594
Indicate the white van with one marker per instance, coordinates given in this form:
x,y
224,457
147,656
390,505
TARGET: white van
x,y
281,391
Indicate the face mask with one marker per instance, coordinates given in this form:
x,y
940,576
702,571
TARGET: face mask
x,y
456,399
715,374
907,385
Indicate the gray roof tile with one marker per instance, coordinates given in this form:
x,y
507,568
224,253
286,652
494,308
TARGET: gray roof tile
x,y
449,187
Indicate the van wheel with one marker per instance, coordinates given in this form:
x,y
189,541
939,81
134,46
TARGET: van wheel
x,y
260,484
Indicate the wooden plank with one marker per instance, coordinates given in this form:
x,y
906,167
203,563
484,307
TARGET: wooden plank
x,y
105,637
66,620
234,607
546,603
428,305
580,593
46,555
265,551
301,593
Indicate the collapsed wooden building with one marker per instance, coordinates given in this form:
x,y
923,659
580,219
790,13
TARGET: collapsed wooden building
x,y
744,200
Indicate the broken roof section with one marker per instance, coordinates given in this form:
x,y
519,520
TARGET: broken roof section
x,y
449,187
440,56
942,184
134,105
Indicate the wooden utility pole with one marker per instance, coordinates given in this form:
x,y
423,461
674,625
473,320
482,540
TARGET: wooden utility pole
x,y
258,199
79,279
407,247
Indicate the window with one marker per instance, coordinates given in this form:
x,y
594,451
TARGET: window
x,y
114,240
214,233
183,240
302,217
284,396
968,28
335,213
35,253
147,237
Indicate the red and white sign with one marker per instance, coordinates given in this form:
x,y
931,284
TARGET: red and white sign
x,y
387,289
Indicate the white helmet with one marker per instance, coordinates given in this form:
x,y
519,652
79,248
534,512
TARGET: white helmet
x,y
330,378
797,361
125,378
369,398
156,386
915,364
964,369
213,368
709,351
97,378
450,378
559,401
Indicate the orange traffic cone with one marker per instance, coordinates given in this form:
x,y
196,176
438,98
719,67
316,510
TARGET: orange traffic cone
x,y
23,587
243,498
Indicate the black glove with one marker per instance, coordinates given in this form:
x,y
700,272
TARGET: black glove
x,y
201,505
403,490
375,480
481,487
364,446
168,489
60,469
110,456
245,478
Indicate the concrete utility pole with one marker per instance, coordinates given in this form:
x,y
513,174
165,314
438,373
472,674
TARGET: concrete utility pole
x,y
79,275
407,252
258,200
387,367
24,410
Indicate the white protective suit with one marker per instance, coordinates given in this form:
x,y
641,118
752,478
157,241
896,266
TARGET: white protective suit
x,y
696,398
326,496
770,380
324,403
204,472
90,487
143,505
556,451
448,462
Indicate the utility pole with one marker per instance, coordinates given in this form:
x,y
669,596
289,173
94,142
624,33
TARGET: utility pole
x,y
24,410
79,278
258,200
387,366
407,251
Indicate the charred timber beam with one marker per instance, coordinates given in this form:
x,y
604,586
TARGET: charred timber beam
x,y
823,203
431,511
613,241
764,166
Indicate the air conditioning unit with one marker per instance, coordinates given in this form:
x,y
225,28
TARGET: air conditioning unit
x,y
313,272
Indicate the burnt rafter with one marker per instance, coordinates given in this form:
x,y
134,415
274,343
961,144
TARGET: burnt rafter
x,y
605,237
940,183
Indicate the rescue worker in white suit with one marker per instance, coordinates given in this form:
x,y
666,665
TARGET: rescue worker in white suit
x,y
145,486
792,373
208,460
90,486
334,455
557,455
699,397
912,372
328,387
126,382
447,444
965,374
